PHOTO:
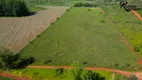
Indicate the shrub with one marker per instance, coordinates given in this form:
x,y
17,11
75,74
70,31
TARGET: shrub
x,y
47,61
141,45
136,49
89,9
80,4
52,23
58,18
59,71
37,35
103,21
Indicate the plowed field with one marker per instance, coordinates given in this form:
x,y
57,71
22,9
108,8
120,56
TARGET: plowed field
x,y
15,33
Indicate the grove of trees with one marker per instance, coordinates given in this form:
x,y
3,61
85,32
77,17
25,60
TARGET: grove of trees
x,y
78,73
8,60
16,8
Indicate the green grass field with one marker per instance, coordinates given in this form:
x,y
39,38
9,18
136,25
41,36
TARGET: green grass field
x,y
83,36
49,74
129,25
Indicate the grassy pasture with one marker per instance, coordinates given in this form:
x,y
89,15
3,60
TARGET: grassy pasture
x,y
129,25
81,35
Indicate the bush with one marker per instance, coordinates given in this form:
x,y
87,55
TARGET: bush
x,y
103,21
136,49
8,60
59,71
47,61
80,4
13,8
52,23
89,9
37,35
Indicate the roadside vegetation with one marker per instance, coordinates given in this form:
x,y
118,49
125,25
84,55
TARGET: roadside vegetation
x,y
121,77
76,73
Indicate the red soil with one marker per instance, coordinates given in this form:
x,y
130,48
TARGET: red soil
x,y
138,74
136,14
123,38
3,74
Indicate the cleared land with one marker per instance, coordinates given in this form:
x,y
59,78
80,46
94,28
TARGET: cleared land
x,y
129,25
15,33
83,35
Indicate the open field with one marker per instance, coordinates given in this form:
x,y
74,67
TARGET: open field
x,y
83,35
15,33
129,25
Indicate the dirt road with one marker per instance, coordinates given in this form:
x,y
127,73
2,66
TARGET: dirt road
x,y
138,74
137,15
15,33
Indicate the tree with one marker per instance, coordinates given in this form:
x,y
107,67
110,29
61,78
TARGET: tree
x,y
78,73
13,8
90,75
8,60
132,77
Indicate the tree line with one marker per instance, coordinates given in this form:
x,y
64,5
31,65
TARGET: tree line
x,y
8,60
15,8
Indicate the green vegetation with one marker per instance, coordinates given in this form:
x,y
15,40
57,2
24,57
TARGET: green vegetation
x,y
71,2
83,36
13,8
129,25
55,74
4,78
77,72
8,60
121,77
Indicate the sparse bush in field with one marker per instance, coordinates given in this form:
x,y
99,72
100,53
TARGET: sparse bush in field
x,y
84,62
128,65
58,18
31,41
103,21
136,49
59,71
89,9
48,61
52,23
120,66
37,35
100,12
141,45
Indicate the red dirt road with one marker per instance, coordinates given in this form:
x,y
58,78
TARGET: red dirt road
x,y
136,14
3,74
123,38
138,74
